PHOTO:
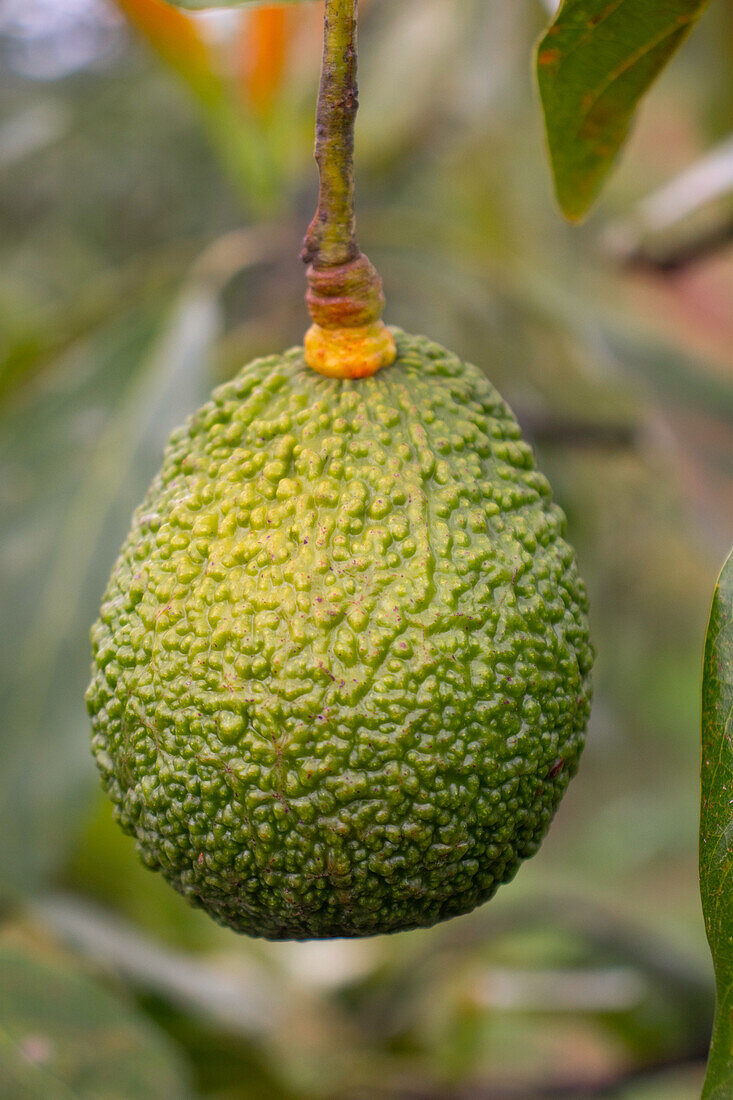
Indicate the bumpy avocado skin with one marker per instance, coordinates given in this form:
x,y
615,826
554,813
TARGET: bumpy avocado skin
x,y
341,671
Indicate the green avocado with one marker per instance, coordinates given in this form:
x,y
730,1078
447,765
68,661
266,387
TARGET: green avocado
x,y
341,669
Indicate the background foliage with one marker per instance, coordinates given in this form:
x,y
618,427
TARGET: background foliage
x,y
156,179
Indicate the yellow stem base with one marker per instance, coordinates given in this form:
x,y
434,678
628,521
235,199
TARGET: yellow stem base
x,y
349,352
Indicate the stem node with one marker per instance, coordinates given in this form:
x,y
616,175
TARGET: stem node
x,y
344,297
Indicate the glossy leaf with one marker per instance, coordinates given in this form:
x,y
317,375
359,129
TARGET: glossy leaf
x,y
63,1035
716,827
593,66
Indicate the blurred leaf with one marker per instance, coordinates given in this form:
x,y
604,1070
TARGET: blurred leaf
x,y
240,144
261,56
77,450
177,41
202,5
716,826
244,998
33,339
63,1036
593,66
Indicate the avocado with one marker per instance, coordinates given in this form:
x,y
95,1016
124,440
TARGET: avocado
x,y
341,672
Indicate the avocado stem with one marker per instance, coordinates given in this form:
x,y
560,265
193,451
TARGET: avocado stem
x,y
344,297
331,236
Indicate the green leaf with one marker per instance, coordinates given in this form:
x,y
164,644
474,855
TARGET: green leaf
x,y
593,65
64,1037
716,827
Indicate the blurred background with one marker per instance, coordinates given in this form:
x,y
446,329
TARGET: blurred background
x,y
156,177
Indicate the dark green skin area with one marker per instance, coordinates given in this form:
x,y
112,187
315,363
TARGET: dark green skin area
x,y
341,672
